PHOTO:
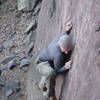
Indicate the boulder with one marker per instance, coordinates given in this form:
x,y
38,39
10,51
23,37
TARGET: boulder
x,y
8,59
24,62
1,48
9,65
2,82
29,50
31,26
2,1
12,86
27,40
8,93
8,44
27,5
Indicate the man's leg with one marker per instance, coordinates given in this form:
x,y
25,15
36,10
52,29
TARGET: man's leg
x,y
42,82
45,70
52,88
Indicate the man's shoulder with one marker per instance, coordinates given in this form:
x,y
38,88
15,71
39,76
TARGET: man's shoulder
x,y
54,50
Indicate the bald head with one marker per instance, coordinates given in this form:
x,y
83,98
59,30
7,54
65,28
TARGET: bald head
x,y
65,42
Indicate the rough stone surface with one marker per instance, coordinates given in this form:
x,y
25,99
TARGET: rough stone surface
x,y
0,72
2,82
28,39
13,85
30,49
25,69
24,62
12,64
8,93
9,65
8,59
31,26
1,48
48,27
28,5
8,44
82,82
2,1
13,24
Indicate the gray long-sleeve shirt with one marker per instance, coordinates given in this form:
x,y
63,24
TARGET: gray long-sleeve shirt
x,y
54,56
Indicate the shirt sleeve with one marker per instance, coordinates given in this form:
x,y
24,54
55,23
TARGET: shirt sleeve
x,y
66,33
58,62
58,67
61,70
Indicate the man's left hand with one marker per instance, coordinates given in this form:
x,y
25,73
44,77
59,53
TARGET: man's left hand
x,y
68,26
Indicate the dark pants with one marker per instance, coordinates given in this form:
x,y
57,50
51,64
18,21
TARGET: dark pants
x,y
52,85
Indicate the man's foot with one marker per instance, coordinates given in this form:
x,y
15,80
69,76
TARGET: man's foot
x,y
53,98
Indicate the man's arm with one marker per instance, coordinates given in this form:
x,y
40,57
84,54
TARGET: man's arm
x,y
58,63
67,66
68,27
65,33
61,70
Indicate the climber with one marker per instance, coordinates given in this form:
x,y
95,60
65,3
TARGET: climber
x,y
55,60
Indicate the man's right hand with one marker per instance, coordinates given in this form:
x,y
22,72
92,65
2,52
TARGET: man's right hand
x,y
68,65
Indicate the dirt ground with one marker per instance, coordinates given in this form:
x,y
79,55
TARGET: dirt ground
x,y
13,24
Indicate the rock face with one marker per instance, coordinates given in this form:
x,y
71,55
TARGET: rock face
x,y
48,23
27,5
2,1
82,82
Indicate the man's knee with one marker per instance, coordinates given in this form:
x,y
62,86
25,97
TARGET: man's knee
x,y
44,68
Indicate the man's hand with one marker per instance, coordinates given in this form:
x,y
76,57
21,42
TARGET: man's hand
x,y
68,26
68,65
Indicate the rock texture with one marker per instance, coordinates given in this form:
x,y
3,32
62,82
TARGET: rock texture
x,y
82,82
48,23
15,28
47,18
28,5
